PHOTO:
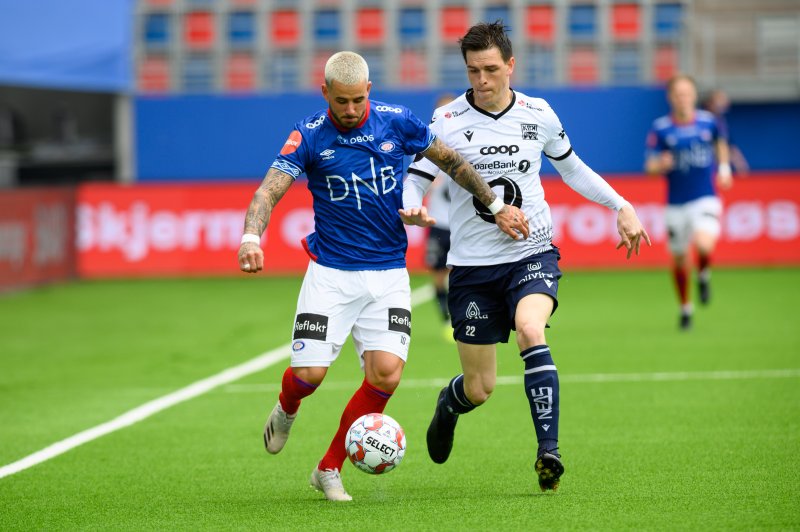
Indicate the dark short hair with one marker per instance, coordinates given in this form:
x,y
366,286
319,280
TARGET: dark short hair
x,y
483,36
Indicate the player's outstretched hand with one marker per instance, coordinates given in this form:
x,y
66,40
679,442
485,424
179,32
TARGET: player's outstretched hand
x,y
251,258
631,230
512,222
416,216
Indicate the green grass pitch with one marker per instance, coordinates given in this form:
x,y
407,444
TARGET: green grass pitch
x,y
659,429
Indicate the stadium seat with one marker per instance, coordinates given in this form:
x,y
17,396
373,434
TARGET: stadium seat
x,y
285,28
377,65
241,29
625,67
500,12
582,22
154,75
413,68
327,24
540,24
540,65
318,66
453,71
370,26
582,66
455,22
240,73
282,72
668,21
156,31
198,31
625,22
412,24
665,62
197,74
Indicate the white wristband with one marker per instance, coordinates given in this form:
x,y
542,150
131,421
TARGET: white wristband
x,y
247,237
724,170
496,206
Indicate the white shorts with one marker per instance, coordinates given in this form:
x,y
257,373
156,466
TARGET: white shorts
x,y
373,305
683,221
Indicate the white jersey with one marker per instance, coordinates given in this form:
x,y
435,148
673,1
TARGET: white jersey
x,y
506,149
439,201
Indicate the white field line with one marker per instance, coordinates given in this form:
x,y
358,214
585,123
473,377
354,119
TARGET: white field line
x,y
263,361
576,378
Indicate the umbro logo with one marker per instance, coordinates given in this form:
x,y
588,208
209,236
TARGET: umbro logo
x,y
469,134
327,154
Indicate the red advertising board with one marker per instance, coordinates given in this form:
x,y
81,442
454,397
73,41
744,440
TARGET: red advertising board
x,y
36,236
150,230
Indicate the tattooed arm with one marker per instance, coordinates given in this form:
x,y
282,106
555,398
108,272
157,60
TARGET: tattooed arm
x,y
509,219
453,164
271,190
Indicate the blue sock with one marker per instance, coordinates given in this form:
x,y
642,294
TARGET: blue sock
x,y
455,399
541,388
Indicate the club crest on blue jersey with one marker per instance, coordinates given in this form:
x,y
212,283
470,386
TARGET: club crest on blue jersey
x,y
387,146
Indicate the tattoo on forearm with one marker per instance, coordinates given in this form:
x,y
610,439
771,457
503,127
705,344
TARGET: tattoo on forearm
x,y
271,190
454,165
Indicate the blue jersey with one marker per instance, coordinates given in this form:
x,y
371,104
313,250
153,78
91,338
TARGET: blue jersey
x,y
356,181
692,147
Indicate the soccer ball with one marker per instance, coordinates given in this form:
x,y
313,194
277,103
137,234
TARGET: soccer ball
x,y
375,443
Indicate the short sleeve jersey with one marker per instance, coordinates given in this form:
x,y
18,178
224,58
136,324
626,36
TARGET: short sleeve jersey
x,y
506,149
692,147
355,179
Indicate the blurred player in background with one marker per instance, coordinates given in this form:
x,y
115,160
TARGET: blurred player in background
x,y
356,282
496,284
438,243
688,148
718,103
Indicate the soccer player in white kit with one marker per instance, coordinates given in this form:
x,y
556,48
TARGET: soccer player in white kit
x,y
498,285
356,282
686,147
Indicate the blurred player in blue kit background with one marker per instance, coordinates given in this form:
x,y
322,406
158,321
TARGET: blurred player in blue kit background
x,y
356,282
690,150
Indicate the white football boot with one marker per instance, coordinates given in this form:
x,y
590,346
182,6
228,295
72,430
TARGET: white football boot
x,y
329,482
276,431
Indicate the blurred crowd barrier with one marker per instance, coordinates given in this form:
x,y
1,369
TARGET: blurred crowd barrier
x,y
106,231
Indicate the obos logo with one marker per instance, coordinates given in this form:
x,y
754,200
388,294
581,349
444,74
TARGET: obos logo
x,y
292,143
387,146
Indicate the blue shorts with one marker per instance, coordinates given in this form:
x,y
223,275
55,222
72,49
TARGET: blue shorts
x,y
483,299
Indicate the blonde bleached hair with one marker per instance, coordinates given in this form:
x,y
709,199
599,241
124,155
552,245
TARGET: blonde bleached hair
x,y
348,68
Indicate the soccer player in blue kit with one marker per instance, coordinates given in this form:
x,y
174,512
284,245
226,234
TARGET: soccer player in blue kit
x,y
687,147
356,282
497,285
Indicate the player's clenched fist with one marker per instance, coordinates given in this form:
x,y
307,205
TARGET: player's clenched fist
x,y
251,258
